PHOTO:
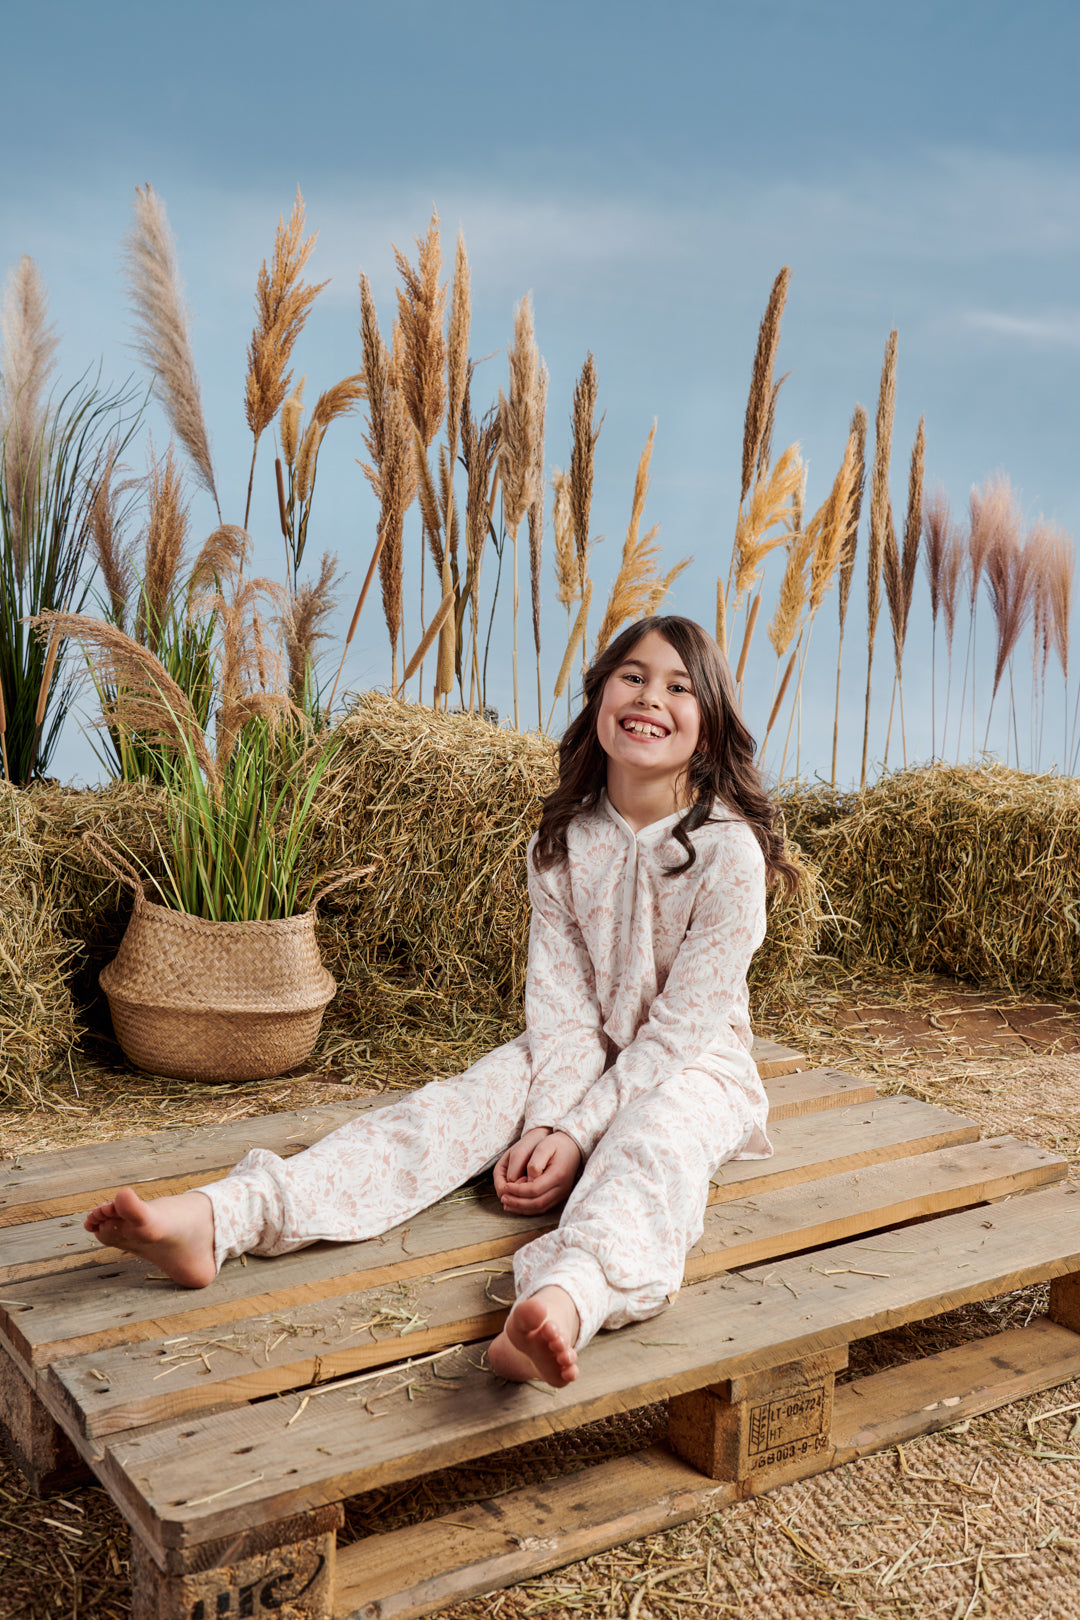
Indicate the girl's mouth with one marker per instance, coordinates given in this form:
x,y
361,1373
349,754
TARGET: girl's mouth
x,y
642,728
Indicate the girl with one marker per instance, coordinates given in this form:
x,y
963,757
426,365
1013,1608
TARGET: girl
x,y
633,1080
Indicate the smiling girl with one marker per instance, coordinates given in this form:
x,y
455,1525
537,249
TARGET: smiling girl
x,y
633,1080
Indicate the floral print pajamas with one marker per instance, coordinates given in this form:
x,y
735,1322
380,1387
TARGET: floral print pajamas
x,y
637,1045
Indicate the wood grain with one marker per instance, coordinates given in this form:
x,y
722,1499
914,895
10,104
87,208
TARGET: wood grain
x,y
262,1465
407,1573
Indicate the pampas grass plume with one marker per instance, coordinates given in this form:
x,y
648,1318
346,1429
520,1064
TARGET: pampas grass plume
x,y
25,366
161,327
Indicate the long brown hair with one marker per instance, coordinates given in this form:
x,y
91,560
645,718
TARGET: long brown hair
x,y
722,766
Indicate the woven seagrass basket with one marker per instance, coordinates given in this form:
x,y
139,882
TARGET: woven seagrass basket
x,y
198,1000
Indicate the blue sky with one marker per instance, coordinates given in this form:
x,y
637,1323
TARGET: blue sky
x,y
644,172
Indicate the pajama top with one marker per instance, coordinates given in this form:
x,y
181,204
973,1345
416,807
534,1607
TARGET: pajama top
x,y
635,975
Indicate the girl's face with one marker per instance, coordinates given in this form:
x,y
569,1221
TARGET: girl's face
x,y
649,720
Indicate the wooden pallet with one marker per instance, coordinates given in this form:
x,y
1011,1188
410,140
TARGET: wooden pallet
x,y
229,1424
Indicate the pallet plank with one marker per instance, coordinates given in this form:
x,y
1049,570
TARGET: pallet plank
x,y
404,1574
45,1246
765,1225
728,1327
36,1186
807,1146
113,1388
111,1305
851,1137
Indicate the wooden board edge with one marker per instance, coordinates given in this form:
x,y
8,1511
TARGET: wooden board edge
x,y
538,1528
495,1544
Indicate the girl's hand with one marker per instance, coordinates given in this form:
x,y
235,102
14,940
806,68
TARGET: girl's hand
x,y
538,1171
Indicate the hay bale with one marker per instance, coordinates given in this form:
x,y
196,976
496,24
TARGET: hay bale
x,y
971,871
91,907
431,952
37,1017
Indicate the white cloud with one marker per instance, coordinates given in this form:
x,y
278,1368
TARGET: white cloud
x,y
1056,327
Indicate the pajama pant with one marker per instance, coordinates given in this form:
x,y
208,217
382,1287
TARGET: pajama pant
x,y
620,1246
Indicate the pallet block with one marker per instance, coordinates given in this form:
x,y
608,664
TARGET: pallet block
x,y
229,1424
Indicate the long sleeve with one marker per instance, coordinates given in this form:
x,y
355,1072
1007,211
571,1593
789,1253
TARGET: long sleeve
x,y
562,1010
704,993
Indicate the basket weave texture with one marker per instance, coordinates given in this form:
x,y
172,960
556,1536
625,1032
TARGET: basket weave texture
x,y
198,1000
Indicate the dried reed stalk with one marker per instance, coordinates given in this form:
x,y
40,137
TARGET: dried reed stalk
x,y
764,455
457,346
857,433
3,736
306,457
289,423
848,550
421,308
826,534
830,526
392,469
536,535
224,552
1010,584
251,673
161,325
761,396
942,556
355,620
445,663
148,702
899,570
306,611
582,465
1058,557
46,684
880,519
27,361
376,364
520,456
748,634
778,701
282,305
994,521
1060,560
567,573
445,608
479,449
577,636
792,596
166,539
771,507
105,521
428,501
457,384
639,588
422,365
721,617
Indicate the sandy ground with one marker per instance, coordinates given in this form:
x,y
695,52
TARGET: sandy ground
x,y
981,1520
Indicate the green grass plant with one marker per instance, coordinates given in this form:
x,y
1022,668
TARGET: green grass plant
x,y
237,849
43,539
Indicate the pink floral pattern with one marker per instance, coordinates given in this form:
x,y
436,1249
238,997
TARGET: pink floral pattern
x,y
637,1045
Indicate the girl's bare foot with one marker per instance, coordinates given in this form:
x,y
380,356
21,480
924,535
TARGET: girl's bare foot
x,y
538,1340
176,1233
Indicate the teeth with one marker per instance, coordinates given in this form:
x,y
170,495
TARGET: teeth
x,y
644,728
